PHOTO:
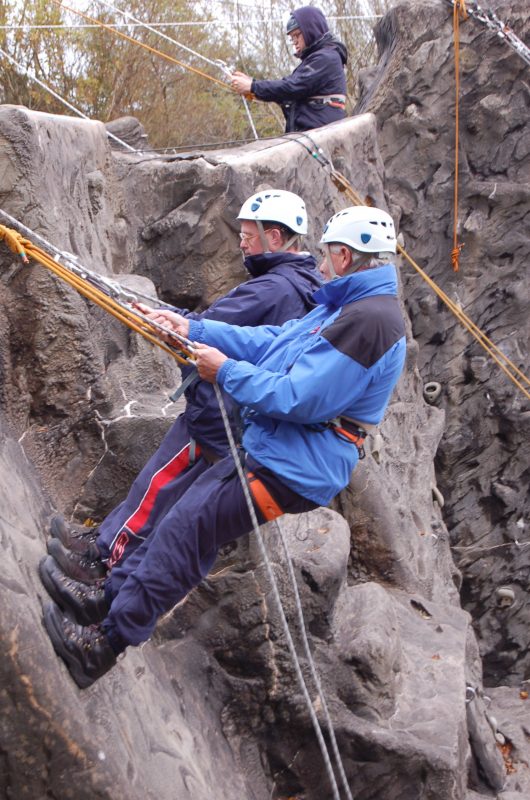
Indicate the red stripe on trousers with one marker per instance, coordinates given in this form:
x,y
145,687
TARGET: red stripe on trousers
x,y
160,479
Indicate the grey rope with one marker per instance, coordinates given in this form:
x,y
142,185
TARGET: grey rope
x,y
276,593
217,63
61,99
112,288
314,673
69,259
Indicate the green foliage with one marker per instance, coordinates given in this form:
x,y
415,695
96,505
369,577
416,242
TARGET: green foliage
x,y
106,77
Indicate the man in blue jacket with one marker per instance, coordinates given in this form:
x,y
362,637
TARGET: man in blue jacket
x,y
308,389
315,93
281,286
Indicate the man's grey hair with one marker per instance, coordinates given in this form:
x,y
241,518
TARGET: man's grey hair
x,y
376,259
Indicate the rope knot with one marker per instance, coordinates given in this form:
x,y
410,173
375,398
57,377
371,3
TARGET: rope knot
x,y
15,241
455,255
460,7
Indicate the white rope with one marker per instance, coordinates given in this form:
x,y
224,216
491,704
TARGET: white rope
x,y
314,673
61,99
276,594
65,26
217,63
72,261
195,23
120,294
150,27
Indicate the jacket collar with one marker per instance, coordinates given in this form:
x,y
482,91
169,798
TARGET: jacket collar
x,y
378,280
263,262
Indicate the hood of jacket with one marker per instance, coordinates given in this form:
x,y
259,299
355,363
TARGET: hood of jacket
x,y
262,263
377,280
316,33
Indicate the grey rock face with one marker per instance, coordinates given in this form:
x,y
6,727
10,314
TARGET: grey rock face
x,y
212,707
482,461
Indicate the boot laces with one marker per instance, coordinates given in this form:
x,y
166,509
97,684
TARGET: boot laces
x,y
82,590
85,636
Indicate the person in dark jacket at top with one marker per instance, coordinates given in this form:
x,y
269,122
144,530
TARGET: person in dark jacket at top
x,y
283,280
315,93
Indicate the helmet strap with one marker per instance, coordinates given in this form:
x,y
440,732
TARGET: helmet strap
x,y
329,262
295,237
358,260
262,237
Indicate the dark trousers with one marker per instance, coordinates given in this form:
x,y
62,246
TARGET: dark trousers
x,y
182,548
159,485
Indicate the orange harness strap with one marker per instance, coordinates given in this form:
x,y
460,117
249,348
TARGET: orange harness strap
x,y
263,498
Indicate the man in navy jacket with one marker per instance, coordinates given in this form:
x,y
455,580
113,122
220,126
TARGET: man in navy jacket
x,y
280,288
315,93
308,389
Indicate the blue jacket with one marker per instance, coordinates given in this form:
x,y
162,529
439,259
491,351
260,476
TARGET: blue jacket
x,y
280,289
320,73
343,358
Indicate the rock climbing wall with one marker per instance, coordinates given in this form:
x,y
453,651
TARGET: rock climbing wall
x,y
482,464
211,707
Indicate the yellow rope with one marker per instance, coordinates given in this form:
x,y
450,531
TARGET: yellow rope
x,y
145,46
496,354
23,247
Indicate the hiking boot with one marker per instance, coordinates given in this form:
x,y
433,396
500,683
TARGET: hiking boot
x,y
74,537
86,602
86,651
88,567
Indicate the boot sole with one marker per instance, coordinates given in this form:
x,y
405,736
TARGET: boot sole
x,y
55,633
56,549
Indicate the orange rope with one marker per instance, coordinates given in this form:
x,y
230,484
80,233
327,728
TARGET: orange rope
x,y
508,367
23,247
145,46
459,13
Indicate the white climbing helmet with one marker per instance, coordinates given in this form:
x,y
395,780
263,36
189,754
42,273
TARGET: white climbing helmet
x,y
369,230
276,205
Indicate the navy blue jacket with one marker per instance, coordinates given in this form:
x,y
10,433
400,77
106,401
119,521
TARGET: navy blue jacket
x,y
280,289
320,73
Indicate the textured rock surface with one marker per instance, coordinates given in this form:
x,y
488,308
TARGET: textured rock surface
x,y
483,460
211,707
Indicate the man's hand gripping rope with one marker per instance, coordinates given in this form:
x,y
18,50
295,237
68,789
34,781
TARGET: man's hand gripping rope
x,y
208,360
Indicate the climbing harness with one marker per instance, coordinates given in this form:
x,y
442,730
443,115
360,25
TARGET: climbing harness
x,y
263,498
333,100
108,294
61,99
349,431
290,643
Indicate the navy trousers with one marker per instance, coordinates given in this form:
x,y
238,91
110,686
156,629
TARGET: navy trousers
x,y
182,548
159,485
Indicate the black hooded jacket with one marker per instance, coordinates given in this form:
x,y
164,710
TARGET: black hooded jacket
x,y
320,73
